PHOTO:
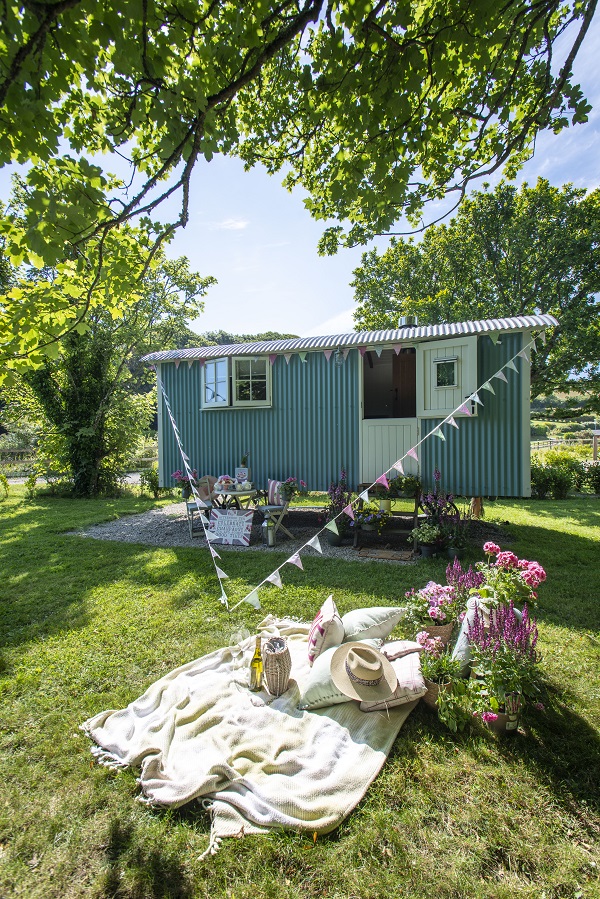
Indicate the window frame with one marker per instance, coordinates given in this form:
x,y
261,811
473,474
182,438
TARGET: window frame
x,y
212,364
445,361
232,379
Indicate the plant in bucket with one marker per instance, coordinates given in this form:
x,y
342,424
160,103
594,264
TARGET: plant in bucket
x,y
292,487
434,609
184,482
339,497
504,663
428,535
446,689
508,578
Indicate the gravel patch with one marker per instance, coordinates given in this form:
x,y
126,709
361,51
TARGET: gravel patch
x,y
168,526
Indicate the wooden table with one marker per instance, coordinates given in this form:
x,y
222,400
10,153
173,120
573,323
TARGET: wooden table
x,y
233,499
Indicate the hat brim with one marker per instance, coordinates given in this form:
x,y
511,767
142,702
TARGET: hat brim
x,y
362,692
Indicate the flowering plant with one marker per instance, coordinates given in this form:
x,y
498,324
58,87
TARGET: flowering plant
x,y
433,604
508,578
225,482
182,479
291,486
464,582
438,666
427,533
371,515
339,497
504,658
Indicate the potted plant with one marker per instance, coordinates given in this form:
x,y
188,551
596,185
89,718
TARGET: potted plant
x,y
407,485
508,578
434,609
370,518
446,689
504,666
182,480
428,535
292,487
456,538
339,498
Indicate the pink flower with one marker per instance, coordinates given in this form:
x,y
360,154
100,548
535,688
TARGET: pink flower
x,y
506,560
491,548
540,706
489,716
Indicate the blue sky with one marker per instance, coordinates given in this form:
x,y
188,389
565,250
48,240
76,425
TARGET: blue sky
x,y
261,244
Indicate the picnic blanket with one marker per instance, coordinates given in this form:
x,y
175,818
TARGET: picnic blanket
x,y
255,761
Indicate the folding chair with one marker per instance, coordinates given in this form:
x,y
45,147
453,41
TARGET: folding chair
x,y
205,487
275,509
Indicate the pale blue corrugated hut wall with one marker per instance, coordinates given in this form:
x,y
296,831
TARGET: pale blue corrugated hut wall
x,y
310,431
484,457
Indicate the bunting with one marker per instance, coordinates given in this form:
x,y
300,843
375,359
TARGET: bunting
x,y
296,560
452,422
523,355
382,479
464,409
364,496
287,357
397,348
275,578
476,399
220,573
273,358
253,599
398,466
327,354
177,364
345,352
501,376
413,454
349,511
488,386
439,434
378,350
332,526
190,363
493,335
362,350
302,357
510,364
315,543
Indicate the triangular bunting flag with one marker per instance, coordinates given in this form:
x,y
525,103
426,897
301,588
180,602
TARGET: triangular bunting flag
x,y
210,535
488,386
275,578
315,543
224,597
345,352
327,354
533,344
510,364
253,599
493,335
464,409
362,350
439,434
185,458
273,358
177,363
452,422
296,560
214,553
397,348
364,496
398,466
331,526
201,362
383,481
476,399
413,454
220,574
379,350
349,511
542,336
523,355
501,376
287,357
153,367
190,363
302,357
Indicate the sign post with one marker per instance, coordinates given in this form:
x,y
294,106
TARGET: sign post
x,y
230,527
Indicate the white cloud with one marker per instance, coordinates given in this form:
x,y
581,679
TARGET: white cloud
x,y
230,225
338,324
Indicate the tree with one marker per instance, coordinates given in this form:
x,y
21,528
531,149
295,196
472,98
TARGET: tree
x,y
93,397
375,107
221,338
507,252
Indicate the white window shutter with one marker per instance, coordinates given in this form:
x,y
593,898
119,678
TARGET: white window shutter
x,y
437,402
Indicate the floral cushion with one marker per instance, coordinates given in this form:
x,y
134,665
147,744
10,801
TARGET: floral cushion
x,y
411,684
319,690
326,630
379,621
274,497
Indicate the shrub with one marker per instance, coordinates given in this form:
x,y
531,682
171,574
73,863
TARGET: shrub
x,y
592,476
3,486
149,481
541,478
566,461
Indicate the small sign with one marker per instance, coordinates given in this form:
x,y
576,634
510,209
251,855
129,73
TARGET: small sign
x,y
241,475
230,527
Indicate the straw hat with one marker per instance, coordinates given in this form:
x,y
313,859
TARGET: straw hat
x,y
362,673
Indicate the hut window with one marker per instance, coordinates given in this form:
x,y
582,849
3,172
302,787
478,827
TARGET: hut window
x,y
445,372
216,383
251,382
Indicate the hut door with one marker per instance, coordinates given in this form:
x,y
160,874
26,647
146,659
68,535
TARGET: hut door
x,y
389,424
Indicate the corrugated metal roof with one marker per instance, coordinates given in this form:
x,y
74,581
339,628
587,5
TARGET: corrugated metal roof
x,y
407,334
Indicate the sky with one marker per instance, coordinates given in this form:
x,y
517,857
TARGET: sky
x,y
260,243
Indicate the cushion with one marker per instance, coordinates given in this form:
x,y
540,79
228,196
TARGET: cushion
x,y
380,621
326,630
318,690
398,648
274,497
411,684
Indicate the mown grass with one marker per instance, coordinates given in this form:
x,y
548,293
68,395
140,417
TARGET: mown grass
x,y
88,625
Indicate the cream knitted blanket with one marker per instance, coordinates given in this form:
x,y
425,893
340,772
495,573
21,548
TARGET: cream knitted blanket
x,y
199,733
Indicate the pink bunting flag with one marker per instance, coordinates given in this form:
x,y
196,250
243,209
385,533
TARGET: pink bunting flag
x,y
273,358
201,362
275,578
316,544
398,466
153,367
465,409
296,560
382,480
452,422
327,354
287,357
214,553
362,350
332,526
413,454
253,599
220,574
397,348
501,376
349,511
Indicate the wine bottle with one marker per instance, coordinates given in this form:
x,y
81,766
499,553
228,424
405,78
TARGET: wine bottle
x,y
256,668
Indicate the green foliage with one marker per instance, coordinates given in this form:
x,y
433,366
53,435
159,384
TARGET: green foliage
x,y
149,481
31,485
4,488
221,338
507,252
556,471
593,476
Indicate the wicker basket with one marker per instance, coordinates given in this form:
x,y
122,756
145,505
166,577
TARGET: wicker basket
x,y
433,690
443,631
277,665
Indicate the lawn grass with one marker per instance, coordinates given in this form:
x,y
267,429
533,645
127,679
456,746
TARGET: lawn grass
x,y
88,625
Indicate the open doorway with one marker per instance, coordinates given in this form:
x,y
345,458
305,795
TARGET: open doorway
x,y
390,384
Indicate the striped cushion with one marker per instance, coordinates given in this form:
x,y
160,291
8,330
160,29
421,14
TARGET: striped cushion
x,y
274,497
411,684
326,630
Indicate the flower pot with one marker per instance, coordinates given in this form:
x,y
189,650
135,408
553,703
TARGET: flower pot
x,y
385,505
186,492
427,550
367,527
433,691
443,631
503,724
334,539
455,552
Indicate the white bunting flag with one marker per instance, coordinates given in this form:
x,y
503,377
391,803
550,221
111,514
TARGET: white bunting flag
x,y
349,511
465,409
364,496
316,544
220,574
439,434
413,454
224,597
327,354
378,350
398,466
253,599
476,399
177,363
501,376
542,336
190,363
210,535
523,355
296,560
383,481
533,344
275,578
185,458
452,422
397,348
345,352
214,553
287,357
488,386
331,526
302,357
510,364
